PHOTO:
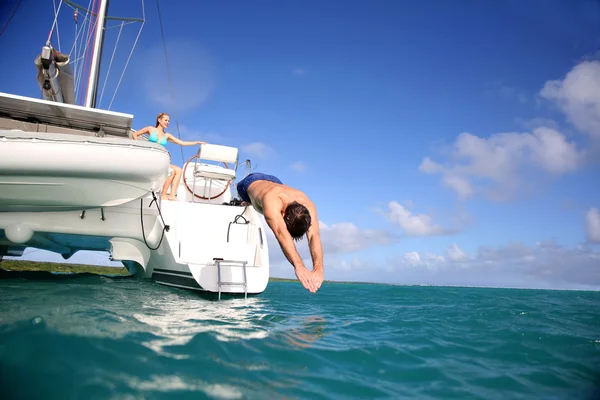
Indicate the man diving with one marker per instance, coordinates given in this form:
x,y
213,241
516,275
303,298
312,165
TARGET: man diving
x,y
290,214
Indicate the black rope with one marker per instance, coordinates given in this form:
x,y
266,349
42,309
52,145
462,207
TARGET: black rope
x,y
11,15
235,221
165,226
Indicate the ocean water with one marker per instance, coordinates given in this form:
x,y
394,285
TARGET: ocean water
x,y
103,338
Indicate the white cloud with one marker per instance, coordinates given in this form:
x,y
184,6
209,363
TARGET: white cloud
x,y
546,265
578,96
455,253
354,264
337,239
431,258
592,222
412,224
412,258
511,252
299,166
551,151
259,150
193,75
346,237
493,166
537,123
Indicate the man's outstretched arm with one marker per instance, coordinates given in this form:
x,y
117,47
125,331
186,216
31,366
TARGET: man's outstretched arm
x,y
316,250
277,225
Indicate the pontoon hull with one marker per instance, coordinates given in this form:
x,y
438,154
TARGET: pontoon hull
x,y
185,257
50,172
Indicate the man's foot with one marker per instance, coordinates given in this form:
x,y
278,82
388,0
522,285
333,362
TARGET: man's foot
x,y
164,197
172,197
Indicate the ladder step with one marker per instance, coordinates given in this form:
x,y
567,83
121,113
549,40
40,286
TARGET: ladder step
x,y
242,264
229,262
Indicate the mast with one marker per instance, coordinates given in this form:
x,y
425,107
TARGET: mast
x,y
92,87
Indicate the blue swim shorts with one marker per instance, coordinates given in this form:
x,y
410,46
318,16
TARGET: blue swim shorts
x,y
242,186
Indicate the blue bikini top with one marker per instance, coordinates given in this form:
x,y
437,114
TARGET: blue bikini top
x,y
154,138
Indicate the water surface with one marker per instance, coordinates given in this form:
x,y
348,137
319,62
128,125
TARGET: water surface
x,y
96,337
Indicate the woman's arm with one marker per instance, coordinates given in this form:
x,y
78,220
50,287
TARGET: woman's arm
x,y
181,142
142,131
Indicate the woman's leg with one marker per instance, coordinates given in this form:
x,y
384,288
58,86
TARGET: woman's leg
x,y
177,172
167,183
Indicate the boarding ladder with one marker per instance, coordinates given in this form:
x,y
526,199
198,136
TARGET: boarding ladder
x,y
220,283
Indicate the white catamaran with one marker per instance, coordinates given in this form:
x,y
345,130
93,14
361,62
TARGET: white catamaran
x,y
68,183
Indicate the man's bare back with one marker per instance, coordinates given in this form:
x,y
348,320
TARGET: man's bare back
x,y
274,200
273,194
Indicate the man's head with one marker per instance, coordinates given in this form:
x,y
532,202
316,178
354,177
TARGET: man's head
x,y
297,219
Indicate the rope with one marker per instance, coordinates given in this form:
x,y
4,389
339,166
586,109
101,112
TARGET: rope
x,y
74,48
56,20
78,31
165,226
54,23
111,62
162,32
81,49
11,15
124,23
78,28
235,221
80,57
129,58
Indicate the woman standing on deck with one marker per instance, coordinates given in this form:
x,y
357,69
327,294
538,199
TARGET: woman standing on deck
x,y
157,134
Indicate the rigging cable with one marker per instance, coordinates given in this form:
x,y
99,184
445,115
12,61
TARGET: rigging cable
x,y
81,57
111,62
77,56
11,15
129,58
169,75
75,17
56,22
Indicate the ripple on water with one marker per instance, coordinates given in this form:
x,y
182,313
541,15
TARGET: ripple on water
x,y
126,338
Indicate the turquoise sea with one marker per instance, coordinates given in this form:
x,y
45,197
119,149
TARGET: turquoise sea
x,y
103,338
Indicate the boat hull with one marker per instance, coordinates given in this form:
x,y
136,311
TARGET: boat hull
x,y
203,234
51,172
182,256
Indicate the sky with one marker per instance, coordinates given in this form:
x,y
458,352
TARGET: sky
x,y
443,143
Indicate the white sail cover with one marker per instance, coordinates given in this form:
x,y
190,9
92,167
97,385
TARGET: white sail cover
x,y
60,76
